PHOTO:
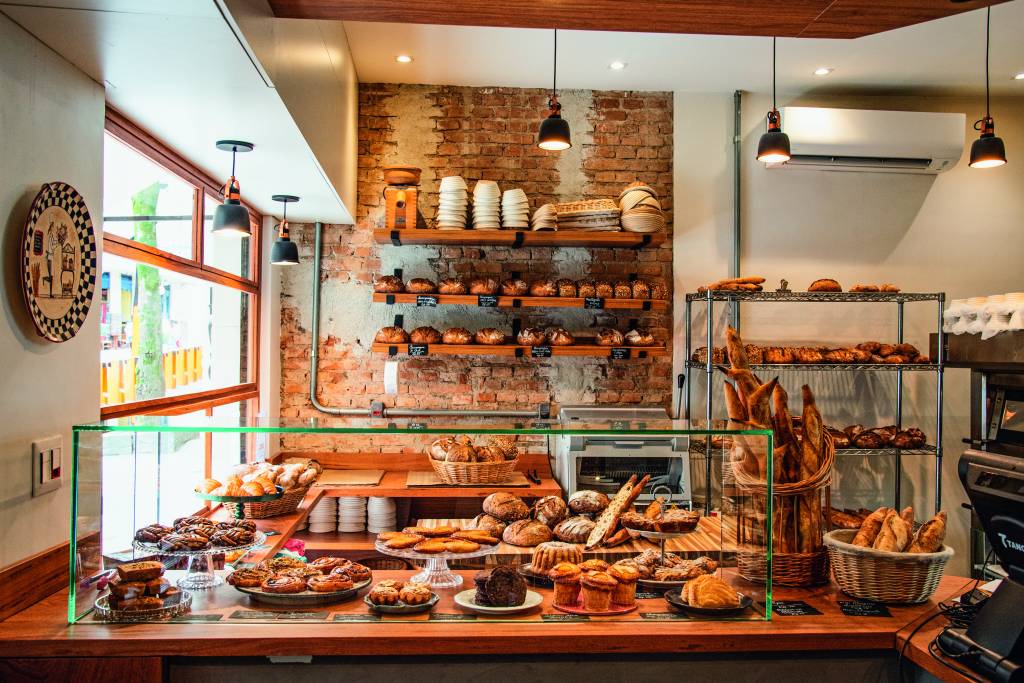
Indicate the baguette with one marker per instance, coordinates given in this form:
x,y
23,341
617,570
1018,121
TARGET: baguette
x,y
907,515
735,408
870,528
609,517
788,458
618,538
757,404
734,348
894,535
813,446
930,536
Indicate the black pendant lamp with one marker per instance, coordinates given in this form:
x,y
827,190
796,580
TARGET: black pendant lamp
x,y
987,151
554,130
284,252
231,218
773,147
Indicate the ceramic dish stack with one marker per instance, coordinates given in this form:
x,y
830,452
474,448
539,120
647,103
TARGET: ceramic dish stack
x,y
515,210
452,206
589,215
380,515
351,514
486,205
641,210
324,516
544,218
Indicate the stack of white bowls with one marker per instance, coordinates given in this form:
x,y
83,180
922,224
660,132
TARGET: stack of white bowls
x,y
351,514
324,516
985,315
515,210
544,218
380,515
452,207
486,205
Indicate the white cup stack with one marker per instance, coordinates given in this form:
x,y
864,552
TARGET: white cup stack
x,y
452,206
380,515
351,514
486,205
515,210
324,516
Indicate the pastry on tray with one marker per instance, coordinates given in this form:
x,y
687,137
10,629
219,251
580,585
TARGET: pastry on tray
x,y
384,594
566,577
329,583
248,578
710,592
415,593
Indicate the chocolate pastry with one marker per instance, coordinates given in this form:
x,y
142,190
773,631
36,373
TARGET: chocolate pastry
x,y
868,439
575,529
451,285
177,542
566,288
152,533
659,290
514,287
480,581
421,285
778,354
623,290
239,523
230,538
505,587
825,285
531,336
425,335
194,519
808,355
457,335
586,289
248,578
205,530
388,284
639,337
483,285
604,289
490,336
610,337
641,290
550,510
391,335
543,288
559,336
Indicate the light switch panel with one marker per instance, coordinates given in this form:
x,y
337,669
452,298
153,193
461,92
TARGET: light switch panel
x,y
47,465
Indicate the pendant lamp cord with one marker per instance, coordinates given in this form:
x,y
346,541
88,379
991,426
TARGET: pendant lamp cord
x,y
554,68
773,73
988,37
234,153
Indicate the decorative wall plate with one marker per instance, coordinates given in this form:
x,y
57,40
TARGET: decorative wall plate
x,y
58,262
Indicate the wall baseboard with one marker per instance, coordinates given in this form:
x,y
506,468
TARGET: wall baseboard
x,y
25,583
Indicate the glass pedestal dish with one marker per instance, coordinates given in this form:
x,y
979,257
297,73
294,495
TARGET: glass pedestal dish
x,y
200,576
435,570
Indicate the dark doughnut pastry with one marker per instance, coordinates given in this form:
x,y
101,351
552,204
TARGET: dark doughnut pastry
x,y
152,533
230,538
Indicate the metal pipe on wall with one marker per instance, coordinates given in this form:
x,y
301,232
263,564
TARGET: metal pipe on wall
x,y
737,159
314,362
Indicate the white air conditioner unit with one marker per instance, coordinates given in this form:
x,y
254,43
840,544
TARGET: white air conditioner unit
x,y
872,141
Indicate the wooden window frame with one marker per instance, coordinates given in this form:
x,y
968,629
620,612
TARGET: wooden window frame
x,y
128,132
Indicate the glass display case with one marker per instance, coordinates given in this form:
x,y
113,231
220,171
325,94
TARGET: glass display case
x,y
134,472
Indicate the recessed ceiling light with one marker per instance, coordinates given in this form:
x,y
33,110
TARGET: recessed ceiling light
x,y
823,71
617,65
1019,76
403,59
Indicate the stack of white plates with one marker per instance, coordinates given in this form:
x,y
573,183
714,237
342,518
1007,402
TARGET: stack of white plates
x,y
380,515
452,207
486,205
544,218
515,210
351,514
324,517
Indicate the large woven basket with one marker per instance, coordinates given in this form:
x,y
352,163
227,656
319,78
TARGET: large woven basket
x,y
286,504
473,472
882,576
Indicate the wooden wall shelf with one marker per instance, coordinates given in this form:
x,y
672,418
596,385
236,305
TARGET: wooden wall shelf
x,y
522,301
515,350
519,238
393,485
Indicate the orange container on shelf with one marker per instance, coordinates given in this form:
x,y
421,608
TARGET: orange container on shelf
x,y
400,206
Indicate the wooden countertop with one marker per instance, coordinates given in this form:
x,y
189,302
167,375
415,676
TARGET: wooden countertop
x,y
41,631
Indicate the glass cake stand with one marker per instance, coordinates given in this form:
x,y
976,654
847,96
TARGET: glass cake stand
x,y
200,576
435,565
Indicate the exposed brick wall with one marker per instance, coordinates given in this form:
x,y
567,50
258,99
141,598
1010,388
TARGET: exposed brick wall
x,y
487,133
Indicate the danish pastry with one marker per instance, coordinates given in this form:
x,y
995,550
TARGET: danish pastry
x,y
152,533
355,571
329,583
276,564
327,564
283,584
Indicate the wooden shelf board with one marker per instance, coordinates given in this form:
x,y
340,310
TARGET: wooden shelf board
x,y
393,485
507,238
525,301
509,350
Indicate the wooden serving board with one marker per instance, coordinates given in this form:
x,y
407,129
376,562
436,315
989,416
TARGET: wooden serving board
x,y
350,478
430,478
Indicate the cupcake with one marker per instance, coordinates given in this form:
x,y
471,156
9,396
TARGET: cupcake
x,y
566,576
597,589
627,576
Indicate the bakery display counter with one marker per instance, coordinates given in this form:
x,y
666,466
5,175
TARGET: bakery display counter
x,y
583,347
522,301
519,238
406,484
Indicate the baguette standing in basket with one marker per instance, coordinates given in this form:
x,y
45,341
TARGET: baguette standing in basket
x,y
930,536
609,518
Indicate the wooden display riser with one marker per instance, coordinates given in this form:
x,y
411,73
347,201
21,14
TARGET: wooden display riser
x,y
512,238
526,301
515,350
393,485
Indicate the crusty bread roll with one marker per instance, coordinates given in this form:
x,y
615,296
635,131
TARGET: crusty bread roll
x,y
425,335
894,535
825,285
610,337
865,538
559,336
531,336
930,536
543,288
421,285
460,453
483,285
388,284
639,337
391,335
451,285
566,288
490,336
514,287
457,335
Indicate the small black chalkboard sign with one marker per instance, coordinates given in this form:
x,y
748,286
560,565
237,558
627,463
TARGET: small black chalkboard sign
x,y
426,300
419,350
593,302
620,353
541,352
793,608
640,595
487,301
439,616
857,608
356,617
416,426
663,616
563,618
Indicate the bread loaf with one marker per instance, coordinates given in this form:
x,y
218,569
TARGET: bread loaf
x,y
506,506
526,533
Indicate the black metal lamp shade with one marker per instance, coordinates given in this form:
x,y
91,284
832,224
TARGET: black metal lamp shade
x,y
284,252
773,147
554,133
231,218
988,151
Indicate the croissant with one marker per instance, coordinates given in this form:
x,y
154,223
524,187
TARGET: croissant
x,y
870,528
930,536
708,591
894,535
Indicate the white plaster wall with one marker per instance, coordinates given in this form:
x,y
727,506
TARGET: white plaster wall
x,y
959,232
51,128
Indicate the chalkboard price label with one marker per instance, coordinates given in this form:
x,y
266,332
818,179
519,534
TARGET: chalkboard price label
x,y
426,300
436,616
416,426
852,608
620,353
640,595
541,352
662,616
793,608
564,618
593,302
419,350
487,301
356,617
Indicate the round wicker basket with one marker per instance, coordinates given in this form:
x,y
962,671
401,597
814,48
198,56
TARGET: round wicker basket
x,y
882,576
473,472
286,504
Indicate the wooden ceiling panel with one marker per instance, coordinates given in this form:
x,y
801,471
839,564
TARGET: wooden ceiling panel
x,y
784,18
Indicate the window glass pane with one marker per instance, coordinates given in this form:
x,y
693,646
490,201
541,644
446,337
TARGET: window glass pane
x,y
145,202
167,334
229,448
229,253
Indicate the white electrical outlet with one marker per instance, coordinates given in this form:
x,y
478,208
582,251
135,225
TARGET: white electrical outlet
x,y
47,465
391,377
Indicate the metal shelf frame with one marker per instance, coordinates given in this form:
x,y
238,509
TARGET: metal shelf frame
x,y
937,366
